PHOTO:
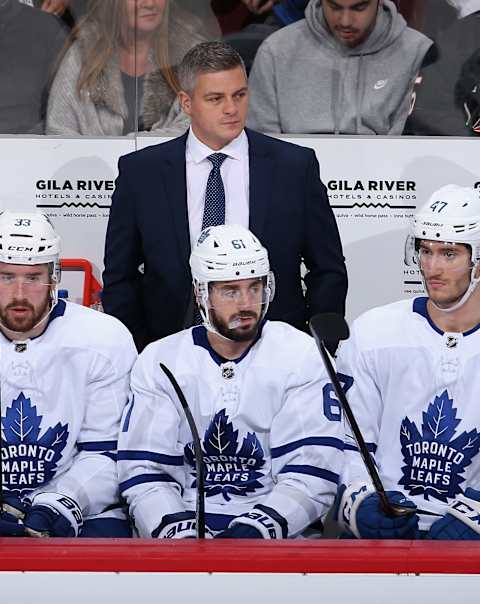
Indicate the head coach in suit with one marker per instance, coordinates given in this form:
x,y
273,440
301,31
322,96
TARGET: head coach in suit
x,y
217,172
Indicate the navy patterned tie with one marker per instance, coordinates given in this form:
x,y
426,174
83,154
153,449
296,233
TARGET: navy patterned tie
x,y
214,209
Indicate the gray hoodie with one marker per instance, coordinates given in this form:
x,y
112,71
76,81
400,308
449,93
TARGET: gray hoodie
x,y
305,81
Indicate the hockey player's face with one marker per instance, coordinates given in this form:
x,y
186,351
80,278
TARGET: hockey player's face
x,y
217,106
350,21
446,269
24,295
236,308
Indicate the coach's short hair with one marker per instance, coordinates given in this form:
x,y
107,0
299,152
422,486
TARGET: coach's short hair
x,y
207,57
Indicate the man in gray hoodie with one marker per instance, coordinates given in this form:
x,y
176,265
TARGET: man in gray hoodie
x,y
347,68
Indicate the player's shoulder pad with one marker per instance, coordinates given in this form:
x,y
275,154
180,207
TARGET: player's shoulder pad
x,y
167,349
286,340
96,329
381,325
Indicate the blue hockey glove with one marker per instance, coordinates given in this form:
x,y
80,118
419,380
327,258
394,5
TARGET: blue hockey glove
x,y
53,515
362,515
11,514
462,519
240,531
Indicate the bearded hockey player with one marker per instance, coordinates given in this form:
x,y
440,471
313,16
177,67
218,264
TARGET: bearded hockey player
x,y
272,454
415,366
64,372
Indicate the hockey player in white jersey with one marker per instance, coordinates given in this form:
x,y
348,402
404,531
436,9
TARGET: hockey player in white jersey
x,y
64,373
412,375
272,453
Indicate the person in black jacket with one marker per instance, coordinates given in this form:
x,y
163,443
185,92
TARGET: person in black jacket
x,y
270,186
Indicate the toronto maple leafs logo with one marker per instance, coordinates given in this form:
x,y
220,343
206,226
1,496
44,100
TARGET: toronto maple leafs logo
x,y
28,459
229,469
435,460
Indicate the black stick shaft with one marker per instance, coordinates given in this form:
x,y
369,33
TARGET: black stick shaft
x,y
362,446
197,446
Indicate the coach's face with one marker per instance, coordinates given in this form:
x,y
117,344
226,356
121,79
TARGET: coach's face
x,y
217,106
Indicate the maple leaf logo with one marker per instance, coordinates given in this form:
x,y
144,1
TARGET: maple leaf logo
x,y
434,460
28,458
229,469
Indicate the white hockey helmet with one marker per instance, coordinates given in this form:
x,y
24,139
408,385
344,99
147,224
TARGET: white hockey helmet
x,y
29,238
228,253
451,215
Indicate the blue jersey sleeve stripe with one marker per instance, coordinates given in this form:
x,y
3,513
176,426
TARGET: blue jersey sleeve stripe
x,y
371,447
126,423
322,441
312,471
169,460
112,456
143,479
105,445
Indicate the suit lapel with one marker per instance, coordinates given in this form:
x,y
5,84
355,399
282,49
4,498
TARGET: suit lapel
x,y
176,189
261,174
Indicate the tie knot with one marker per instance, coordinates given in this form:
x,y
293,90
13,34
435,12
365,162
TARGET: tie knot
x,y
217,159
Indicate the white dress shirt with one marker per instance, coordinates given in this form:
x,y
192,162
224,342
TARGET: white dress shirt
x,y
235,176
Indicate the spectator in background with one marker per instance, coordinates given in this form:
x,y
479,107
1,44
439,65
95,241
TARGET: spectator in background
x,y
118,74
437,109
275,14
30,43
468,92
428,16
69,10
348,68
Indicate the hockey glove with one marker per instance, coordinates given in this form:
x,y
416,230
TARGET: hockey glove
x,y
462,519
182,525
362,515
11,514
53,515
266,522
240,531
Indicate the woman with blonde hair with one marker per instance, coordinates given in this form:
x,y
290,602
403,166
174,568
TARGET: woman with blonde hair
x,y
118,73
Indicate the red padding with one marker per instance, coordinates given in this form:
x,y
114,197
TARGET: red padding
x,y
241,556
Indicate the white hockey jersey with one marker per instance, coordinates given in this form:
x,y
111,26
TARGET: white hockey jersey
x,y
414,393
265,438
62,396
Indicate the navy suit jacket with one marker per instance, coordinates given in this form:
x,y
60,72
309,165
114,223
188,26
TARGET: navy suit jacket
x,y
289,213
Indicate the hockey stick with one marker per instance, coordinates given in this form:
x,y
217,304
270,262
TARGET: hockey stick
x,y
197,447
330,327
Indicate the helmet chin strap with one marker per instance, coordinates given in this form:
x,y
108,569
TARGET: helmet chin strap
x,y
468,292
